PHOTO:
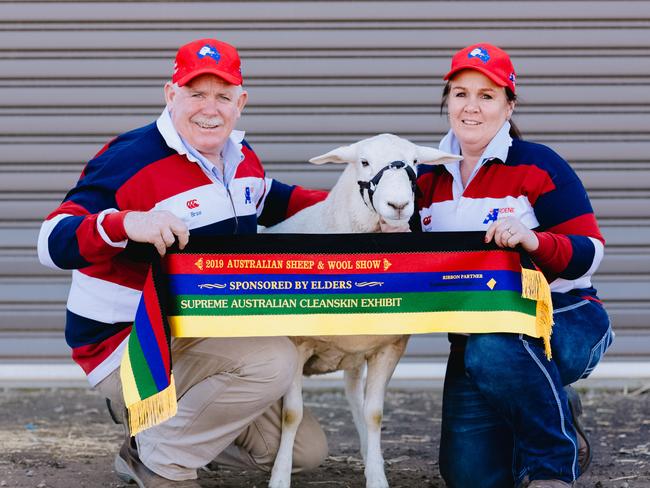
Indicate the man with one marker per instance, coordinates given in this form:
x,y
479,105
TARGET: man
x,y
188,173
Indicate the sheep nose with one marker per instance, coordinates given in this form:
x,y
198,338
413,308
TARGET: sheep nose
x,y
398,205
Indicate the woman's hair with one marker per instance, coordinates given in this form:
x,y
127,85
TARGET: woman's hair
x,y
515,133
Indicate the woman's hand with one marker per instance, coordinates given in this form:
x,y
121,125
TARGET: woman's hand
x,y
509,231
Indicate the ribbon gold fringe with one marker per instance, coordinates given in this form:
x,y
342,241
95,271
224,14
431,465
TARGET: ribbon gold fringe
x,y
153,410
535,287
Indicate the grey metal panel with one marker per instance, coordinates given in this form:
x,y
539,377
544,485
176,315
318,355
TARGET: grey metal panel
x,y
29,318
335,65
320,74
104,12
42,346
324,121
265,94
287,36
26,291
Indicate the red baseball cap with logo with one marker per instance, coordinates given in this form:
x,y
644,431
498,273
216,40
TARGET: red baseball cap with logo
x,y
487,59
207,56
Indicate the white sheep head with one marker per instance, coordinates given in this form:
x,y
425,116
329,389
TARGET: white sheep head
x,y
392,195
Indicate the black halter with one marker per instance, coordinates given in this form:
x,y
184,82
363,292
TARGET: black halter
x,y
371,185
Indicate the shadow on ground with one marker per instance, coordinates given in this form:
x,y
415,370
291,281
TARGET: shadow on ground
x,y
64,438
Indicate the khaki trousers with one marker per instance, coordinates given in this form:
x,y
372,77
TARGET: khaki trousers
x,y
229,408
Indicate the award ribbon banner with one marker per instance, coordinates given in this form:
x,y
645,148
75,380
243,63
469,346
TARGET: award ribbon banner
x,y
306,284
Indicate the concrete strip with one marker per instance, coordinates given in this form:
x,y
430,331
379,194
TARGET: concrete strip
x,y
425,375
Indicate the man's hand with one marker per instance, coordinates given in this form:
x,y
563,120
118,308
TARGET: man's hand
x,y
509,232
157,227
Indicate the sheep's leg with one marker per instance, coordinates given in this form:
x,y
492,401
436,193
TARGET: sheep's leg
x,y
291,418
354,393
380,368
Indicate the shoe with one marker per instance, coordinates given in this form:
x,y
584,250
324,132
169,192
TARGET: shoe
x,y
584,448
549,484
130,469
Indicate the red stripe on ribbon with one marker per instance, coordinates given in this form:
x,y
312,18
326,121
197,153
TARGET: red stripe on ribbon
x,y
308,264
152,305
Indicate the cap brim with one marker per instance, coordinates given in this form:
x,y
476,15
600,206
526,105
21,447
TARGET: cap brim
x,y
230,78
480,69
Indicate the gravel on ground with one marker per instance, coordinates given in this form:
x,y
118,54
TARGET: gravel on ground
x,y
62,438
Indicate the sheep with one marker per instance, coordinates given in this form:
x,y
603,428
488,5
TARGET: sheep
x,y
375,192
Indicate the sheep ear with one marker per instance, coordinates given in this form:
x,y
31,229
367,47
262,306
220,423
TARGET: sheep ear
x,y
343,154
429,155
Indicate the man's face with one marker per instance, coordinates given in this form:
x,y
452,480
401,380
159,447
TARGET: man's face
x,y
204,112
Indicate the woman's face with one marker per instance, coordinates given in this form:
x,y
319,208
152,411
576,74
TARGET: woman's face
x,y
477,108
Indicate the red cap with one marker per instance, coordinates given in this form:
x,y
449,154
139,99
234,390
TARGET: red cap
x,y
489,60
207,56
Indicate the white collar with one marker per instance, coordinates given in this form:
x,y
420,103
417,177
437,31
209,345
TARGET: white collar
x,y
497,148
232,153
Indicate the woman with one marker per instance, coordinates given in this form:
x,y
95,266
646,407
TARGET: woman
x,y
507,420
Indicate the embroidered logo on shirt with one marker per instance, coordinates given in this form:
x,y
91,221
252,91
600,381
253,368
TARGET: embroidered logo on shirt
x,y
247,195
194,203
493,214
426,220
481,53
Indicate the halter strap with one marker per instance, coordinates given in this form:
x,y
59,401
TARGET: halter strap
x,y
371,185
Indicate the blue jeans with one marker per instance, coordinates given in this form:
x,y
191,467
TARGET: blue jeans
x,y
505,413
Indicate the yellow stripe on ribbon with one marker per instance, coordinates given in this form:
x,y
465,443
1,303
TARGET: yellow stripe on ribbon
x,y
145,413
129,388
153,410
535,287
353,324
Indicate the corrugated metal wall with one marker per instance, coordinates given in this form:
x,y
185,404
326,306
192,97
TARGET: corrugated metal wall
x,y
319,74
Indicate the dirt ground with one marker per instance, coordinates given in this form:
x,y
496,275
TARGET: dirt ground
x,y
63,438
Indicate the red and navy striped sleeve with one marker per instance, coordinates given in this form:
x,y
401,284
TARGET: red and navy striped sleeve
x,y
88,226
570,242
536,185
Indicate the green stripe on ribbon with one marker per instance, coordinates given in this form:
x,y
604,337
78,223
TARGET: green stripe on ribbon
x,y
144,380
228,305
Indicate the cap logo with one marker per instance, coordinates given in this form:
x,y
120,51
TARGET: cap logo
x,y
209,51
479,52
512,78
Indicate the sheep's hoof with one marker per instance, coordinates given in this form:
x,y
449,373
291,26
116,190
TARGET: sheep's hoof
x,y
377,484
376,478
280,480
280,484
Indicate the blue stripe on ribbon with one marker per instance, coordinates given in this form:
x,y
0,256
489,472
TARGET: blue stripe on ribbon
x,y
190,284
149,346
